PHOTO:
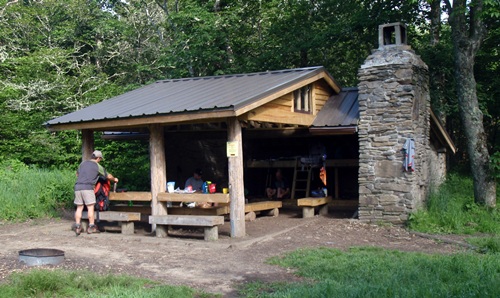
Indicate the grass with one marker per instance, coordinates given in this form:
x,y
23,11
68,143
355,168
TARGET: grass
x,y
28,193
451,210
60,283
375,272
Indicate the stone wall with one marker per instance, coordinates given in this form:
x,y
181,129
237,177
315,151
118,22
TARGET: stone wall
x,y
437,164
394,105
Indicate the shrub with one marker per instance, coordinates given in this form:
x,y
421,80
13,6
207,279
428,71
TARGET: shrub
x,y
29,192
451,209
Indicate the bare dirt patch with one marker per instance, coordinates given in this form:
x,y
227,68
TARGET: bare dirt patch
x,y
215,267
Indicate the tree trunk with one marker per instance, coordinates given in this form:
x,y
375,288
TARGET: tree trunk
x,y
435,17
467,36
472,119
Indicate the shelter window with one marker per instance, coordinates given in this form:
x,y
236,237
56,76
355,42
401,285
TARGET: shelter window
x,y
302,99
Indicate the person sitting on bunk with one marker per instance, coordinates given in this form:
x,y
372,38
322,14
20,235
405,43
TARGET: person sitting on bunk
x,y
196,182
279,188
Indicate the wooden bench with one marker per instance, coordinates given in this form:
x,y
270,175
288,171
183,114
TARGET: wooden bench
x,y
132,201
309,204
209,223
270,208
126,219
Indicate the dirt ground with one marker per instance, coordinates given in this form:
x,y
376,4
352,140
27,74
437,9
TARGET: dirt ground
x,y
185,259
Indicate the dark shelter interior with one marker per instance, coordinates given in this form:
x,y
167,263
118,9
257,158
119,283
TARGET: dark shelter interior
x,y
264,151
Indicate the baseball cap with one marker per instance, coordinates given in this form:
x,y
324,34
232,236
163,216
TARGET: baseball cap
x,y
97,154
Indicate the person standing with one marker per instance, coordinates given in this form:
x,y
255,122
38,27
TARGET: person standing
x,y
87,175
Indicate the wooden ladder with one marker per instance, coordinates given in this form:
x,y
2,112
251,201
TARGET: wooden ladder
x,y
301,179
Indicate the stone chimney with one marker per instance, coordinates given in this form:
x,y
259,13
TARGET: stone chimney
x,y
394,106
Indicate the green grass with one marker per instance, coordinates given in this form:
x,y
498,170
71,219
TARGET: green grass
x,y
59,283
486,244
374,272
451,210
28,193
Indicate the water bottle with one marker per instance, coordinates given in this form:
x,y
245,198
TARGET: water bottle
x,y
204,187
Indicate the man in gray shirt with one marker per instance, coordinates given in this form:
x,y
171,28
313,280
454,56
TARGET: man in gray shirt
x,y
88,173
196,182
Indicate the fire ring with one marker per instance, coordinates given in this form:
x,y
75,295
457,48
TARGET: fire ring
x,y
41,256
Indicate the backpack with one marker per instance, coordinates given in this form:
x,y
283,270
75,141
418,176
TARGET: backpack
x,y
101,191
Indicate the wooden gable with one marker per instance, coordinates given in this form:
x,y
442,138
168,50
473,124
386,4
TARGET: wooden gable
x,y
283,110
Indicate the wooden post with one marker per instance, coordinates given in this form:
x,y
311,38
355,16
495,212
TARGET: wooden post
x,y
158,174
87,144
236,185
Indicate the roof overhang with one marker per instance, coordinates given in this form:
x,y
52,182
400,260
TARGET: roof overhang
x,y
441,133
144,121
340,130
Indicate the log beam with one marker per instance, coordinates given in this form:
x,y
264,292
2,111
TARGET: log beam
x,y
158,174
87,144
235,169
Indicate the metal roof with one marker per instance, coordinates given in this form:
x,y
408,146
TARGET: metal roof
x,y
227,92
339,110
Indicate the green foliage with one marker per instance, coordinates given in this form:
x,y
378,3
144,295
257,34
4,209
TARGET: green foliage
x,y
58,56
375,272
29,192
129,162
495,164
451,209
59,283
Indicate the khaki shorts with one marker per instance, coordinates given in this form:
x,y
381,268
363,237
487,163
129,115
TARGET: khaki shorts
x,y
86,197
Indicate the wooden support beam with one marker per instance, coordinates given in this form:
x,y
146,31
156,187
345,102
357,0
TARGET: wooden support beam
x,y
87,144
158,174
235,169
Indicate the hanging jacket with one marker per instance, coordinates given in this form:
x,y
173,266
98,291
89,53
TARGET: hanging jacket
x,y
409,155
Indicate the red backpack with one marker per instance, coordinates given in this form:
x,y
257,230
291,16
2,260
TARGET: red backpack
x,y
101,190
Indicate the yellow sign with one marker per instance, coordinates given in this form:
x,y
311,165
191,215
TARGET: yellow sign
x,y
232,149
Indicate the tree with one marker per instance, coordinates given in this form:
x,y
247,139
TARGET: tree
x,y
468,31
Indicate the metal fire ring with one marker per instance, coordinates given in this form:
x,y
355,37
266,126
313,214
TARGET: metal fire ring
x,y
41,256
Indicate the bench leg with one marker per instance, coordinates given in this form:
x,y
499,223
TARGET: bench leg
x,y
211,233
127,227
307,212
323,210
273,212
250,216
161,231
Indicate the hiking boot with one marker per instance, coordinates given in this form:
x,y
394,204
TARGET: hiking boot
x,y
93,229
78,229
